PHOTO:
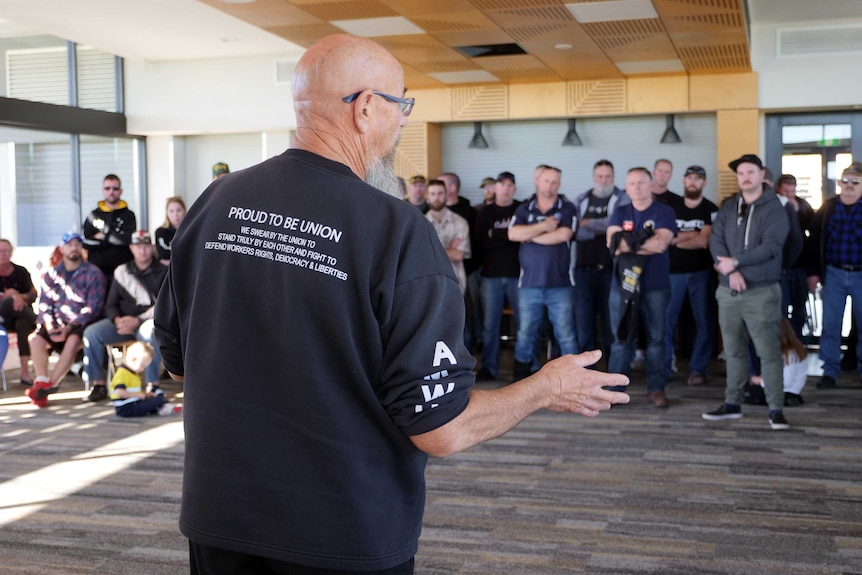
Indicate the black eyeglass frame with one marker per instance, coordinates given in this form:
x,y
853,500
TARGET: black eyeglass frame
x,y
405,105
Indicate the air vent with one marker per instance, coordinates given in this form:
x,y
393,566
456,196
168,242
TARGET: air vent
x,y
819,41
491,50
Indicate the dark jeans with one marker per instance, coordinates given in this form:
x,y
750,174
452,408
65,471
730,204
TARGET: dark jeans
x,y
204,560
592,290
21,322
794,293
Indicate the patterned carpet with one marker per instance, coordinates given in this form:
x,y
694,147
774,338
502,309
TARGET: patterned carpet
x,y
637,490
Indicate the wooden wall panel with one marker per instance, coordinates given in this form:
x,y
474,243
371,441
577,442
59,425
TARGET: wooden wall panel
x,y
420,151
596,97
662,94
480,103
737,134
537,100
722,91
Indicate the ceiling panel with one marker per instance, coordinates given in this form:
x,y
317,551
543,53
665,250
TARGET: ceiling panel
x,y
686,36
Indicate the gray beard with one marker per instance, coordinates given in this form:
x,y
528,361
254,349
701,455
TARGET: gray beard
x,y
603,191
381,174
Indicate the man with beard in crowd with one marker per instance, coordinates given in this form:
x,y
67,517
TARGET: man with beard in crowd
x,y
315,393
452,230
691,273
593,261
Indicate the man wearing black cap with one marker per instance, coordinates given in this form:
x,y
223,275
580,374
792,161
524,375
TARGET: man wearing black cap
x,y
71,296
746,243
835,260
500,270
128,314
416,191
691,273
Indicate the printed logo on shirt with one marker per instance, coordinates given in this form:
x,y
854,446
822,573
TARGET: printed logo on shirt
x,y
434,391
628,226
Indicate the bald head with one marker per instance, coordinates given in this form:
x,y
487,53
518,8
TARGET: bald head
x,y
361,133
338,66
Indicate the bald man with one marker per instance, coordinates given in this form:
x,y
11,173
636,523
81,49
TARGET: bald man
x,y
318,326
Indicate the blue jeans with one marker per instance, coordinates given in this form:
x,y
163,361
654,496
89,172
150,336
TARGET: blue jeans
x,y
592,290
532,303
473,324
652,317
837,285
98,335
794,292
4,345
143,407
495,292
701,293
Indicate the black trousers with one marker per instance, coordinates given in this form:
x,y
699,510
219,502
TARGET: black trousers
x,y
205,560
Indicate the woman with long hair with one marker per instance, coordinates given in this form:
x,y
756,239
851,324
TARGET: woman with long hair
x,y
175,211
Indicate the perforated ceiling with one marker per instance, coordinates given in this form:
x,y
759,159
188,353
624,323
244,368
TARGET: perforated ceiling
x,y
686,36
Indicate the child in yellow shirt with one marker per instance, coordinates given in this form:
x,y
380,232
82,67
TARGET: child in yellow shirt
x,y
126,390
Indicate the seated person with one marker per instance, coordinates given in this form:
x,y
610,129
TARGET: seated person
x,y
130,400
17,294
71,296
128,314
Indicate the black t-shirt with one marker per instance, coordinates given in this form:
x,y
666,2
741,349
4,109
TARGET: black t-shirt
x,y
19,280
594,252
688,220
318,324
668,198
499,254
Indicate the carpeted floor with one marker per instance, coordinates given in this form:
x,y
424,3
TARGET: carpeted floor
x,y
636,490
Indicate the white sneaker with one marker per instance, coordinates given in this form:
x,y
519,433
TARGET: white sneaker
x,y
170,409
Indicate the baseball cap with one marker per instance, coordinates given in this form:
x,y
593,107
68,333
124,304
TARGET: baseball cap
x,y
141,237
487,181
695,170
506,175
69,236
746,159
220,168
854,169
418,178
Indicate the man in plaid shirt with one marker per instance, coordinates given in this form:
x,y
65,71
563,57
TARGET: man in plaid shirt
x,y
70,298
835,260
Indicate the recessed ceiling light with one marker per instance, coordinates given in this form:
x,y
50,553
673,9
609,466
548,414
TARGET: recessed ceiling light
x,y
563,46
374,27
650,67
466,77
612,10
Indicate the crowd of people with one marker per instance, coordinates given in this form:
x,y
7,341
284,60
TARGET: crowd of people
x,y
613,268
100,289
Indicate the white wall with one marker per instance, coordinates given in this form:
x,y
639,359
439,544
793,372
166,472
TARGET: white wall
x,y
804,82
518,147
206,96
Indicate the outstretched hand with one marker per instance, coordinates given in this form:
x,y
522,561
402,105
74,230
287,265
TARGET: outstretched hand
x,y
573,388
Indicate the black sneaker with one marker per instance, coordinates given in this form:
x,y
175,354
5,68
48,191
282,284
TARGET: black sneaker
x,y
777,420
826,382
792,399
98,393
726,411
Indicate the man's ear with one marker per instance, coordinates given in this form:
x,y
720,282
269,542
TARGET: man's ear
x,y
363,111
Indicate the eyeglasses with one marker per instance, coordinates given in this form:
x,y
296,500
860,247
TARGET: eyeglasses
x,y
854,181
405,105
108,188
